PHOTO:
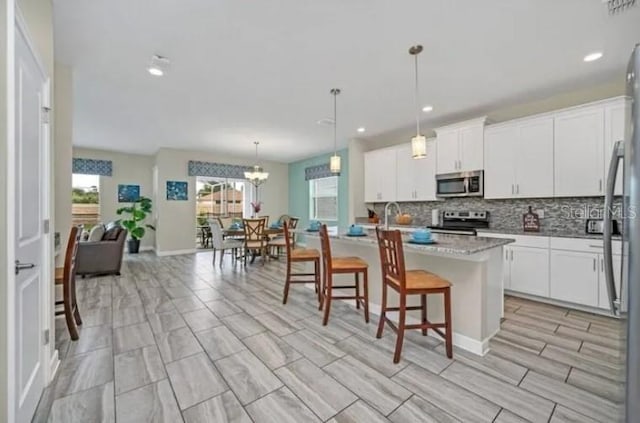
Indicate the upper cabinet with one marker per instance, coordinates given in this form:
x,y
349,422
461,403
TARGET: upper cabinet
x,y
614,130
380,175
460,147
519,159
416,179
579,152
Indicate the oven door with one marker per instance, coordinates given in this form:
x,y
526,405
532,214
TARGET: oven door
x,y
452,185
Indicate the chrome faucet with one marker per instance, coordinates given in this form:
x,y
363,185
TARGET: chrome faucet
x,y
386,212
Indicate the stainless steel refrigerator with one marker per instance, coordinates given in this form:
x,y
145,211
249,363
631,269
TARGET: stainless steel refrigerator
x,y
625,301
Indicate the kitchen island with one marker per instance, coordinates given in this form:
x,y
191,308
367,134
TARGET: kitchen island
x,y
472,264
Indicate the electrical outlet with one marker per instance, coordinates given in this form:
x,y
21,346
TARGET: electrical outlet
x,y
540,213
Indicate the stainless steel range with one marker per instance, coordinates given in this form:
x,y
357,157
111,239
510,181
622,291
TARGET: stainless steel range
x,y
464,222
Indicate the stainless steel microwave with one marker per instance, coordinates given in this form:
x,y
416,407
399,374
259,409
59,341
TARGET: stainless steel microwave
x,y
460,184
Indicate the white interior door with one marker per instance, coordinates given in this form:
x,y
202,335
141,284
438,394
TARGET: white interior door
x,y
29,235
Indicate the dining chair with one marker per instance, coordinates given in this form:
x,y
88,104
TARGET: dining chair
x,y
254,239
225,222
342,265
293,224
405,283
300,255
266,220
66,276
220,244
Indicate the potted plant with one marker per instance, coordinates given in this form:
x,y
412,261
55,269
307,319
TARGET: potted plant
x,y
136,212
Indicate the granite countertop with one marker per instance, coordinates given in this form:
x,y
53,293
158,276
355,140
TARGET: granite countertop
x,y
445,243
546,233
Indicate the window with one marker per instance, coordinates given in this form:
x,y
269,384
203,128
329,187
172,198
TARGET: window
x,y
220,197
323,198
85,200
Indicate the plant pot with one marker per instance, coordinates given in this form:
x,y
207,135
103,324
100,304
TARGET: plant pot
x,y
133,245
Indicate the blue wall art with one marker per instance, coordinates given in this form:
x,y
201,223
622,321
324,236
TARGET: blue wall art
x,y
177,191
128,193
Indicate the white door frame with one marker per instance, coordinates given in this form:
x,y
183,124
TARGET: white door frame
x,y
49,360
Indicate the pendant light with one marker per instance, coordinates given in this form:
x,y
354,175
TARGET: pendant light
x,y
419,142
334,163
256,176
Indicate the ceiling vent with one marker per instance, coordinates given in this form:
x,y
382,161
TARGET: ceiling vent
x,y
619,6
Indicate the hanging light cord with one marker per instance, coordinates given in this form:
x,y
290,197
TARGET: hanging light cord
x,y
335,123
415,56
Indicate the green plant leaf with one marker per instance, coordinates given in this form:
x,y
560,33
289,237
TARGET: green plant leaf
x,y
129,225
153,228
137,233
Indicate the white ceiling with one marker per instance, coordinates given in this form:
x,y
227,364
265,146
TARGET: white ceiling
x,y
245,70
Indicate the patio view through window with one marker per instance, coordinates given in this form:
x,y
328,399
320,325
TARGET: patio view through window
x,y
323,198
85,200
219,197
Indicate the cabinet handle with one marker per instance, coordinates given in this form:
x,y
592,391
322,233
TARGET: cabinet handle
x,y
513,190
602,264
506,254
511,255
600,185
517,188
594,265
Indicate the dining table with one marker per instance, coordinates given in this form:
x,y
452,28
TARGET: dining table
x,y
239,232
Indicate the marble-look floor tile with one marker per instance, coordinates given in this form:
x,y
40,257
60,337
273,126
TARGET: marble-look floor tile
x,y
507,416
156,305
251,306
614,353
243,325
273,351
219,342
418,410
564,415
95,405
166,322
201,319
137,368
222,308
331,333
96,317
277,324
186,304
194,379
208,294
314,348
151,403
457,401
546,337
248,378
320,392
360,412
604,388
83,371
585,362
377,358
521,341
91,339
125,301
223,408
574,398
532,322
280,406
514,399
530,360
128,316
177,344
378,391
548,317
607,339
132,337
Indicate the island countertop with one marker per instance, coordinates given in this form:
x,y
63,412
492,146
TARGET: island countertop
x,y
444,243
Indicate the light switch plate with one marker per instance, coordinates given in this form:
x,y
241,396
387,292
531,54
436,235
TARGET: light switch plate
x,y
540,213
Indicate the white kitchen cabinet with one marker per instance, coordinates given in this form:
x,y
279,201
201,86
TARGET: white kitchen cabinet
x,y
416,179
579,152
499,170
460,147
614,130
603,295
519,159
529,270
380,175
574,277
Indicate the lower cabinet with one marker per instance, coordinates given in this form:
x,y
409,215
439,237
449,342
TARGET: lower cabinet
x,y
527,270
603,294
574,277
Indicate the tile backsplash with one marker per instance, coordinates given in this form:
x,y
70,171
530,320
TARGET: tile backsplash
x,y
562,215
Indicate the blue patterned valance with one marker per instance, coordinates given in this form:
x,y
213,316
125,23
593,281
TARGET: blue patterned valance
x,y
93,167
217,170
317,172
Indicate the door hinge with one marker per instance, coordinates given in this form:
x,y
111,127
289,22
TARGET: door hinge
x,y
45,337
46,112
46,225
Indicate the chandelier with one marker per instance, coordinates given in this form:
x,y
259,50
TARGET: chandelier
x,y
257,175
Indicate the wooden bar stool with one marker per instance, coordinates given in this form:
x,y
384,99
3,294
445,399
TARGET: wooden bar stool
x,y
409,282
300,255
342,265
66,276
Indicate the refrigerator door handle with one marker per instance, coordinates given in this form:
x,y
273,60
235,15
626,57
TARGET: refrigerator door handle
x,y
616,156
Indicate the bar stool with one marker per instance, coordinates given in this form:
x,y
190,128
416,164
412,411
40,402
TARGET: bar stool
x,y
66,276
342,265
300,255
409,282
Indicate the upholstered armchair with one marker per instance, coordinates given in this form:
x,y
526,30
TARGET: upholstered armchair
x,y
102,257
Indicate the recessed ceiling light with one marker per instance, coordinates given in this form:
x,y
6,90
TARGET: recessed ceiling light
x,y
427,109
361,129
592,57
158,65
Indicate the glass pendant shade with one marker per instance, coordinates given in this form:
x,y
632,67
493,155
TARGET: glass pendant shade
x,y
257,175
334,164
419,147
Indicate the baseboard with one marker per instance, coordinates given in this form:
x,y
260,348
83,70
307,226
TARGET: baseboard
x,y
175,252
54,365
147,248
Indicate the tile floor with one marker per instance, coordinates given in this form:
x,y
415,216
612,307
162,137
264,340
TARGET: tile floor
x,y
175,339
